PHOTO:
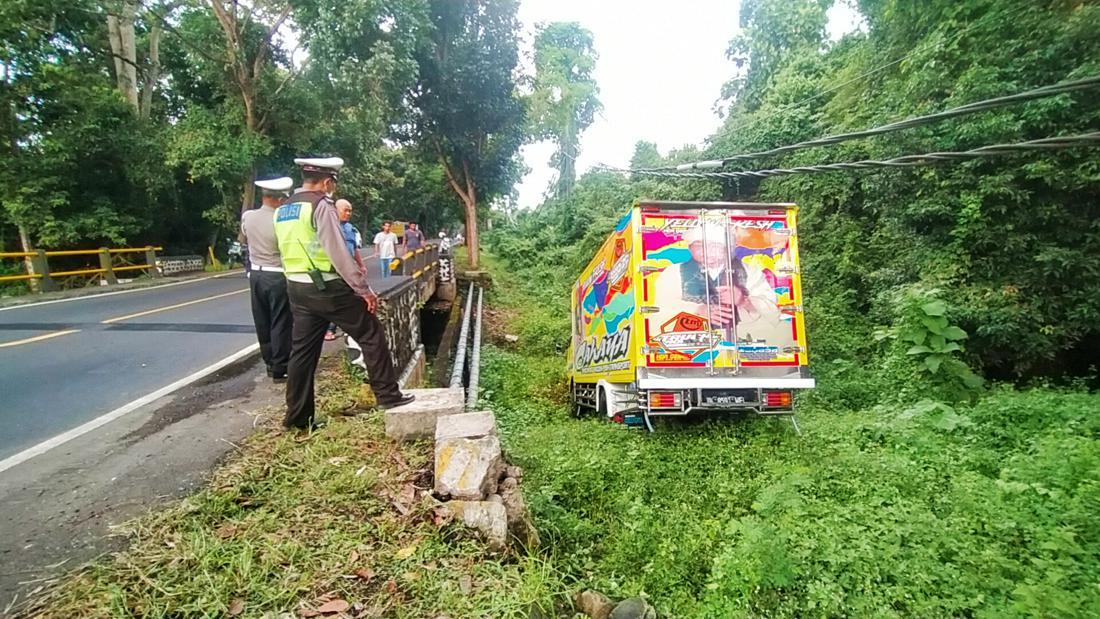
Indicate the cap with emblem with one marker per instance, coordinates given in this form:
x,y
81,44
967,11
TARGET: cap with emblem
x,y
279,186
322,165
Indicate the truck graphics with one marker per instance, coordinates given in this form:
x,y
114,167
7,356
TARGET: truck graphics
x,y
700,297
605,301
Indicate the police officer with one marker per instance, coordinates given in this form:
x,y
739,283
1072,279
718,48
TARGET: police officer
x,y
326,285
270,305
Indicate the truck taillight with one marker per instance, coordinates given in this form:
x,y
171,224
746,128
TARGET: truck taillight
x,y
777,399
664,399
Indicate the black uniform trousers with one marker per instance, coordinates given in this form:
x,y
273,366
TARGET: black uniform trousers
x,y
313,311
271,315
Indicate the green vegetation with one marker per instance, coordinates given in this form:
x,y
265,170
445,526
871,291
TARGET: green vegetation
x,y
909,507
132,122
950,457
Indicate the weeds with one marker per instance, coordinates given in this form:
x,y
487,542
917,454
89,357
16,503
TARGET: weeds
x,y
296,522
988,509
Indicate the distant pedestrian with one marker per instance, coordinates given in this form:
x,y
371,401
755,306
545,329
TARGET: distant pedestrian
x,y
270,303
385,247
414,238
326,285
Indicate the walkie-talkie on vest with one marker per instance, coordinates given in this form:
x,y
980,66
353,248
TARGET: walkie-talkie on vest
x,y
314,272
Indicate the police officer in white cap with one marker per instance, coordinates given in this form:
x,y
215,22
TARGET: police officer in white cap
x,y
326,285
270,304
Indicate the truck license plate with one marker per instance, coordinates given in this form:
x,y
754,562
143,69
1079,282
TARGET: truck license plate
x,y
726,398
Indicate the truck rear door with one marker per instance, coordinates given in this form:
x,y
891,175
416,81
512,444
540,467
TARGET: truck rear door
x,y
720,290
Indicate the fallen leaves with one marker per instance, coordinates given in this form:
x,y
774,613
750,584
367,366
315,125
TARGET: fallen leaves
x,y
330,607
405,552
335,606
226,531
236,607
365,574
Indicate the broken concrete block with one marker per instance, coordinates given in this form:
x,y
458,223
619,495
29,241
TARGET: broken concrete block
x,y
488,518
594,604
467,468
520,523
417,420
466,425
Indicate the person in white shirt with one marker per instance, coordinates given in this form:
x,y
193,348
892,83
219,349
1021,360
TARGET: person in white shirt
x,y
385,246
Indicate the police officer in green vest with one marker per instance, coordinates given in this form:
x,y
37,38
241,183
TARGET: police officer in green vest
x,y
325,285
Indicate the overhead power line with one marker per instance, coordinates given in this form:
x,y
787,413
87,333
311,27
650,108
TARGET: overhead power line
x,y
906,161
909,123
926,46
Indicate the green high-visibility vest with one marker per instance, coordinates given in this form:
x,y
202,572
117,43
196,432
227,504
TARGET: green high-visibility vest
x,y
298,244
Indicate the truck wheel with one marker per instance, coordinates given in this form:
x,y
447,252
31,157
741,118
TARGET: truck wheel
x,y
601,403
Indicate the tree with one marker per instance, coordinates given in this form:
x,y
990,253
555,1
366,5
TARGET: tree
x,y
468,115
247,47
565,98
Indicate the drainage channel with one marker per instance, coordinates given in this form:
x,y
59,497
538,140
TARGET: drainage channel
x,y
465,370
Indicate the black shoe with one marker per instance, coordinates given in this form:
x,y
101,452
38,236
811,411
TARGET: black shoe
x,y
401,401
277,377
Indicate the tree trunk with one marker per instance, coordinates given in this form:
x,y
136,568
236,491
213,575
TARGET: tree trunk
x,y
120,30
25,241
473,248
152,73
248,191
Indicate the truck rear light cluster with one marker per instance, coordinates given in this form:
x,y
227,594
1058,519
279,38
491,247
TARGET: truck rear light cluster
x,y
777,399
664,399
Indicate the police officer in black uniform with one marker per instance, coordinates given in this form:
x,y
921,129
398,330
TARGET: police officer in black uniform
x,y
326,285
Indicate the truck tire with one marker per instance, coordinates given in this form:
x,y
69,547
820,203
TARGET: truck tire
x,y
601,403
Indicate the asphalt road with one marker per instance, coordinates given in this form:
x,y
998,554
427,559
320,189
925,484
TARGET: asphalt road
x,y
63,364
68,362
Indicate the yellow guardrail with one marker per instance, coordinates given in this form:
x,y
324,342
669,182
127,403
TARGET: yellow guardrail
x,y
111,262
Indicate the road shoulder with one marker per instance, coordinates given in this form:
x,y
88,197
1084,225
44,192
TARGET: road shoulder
x,y
59,507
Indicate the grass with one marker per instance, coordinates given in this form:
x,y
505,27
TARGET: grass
x,y
990,510
294,522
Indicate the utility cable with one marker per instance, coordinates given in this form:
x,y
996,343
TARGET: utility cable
x,y
909,123
928,45
906,161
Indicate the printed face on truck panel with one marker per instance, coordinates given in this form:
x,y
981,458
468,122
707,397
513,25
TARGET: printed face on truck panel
x,y
712,254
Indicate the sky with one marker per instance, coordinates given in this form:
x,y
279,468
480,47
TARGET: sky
x,y
660,70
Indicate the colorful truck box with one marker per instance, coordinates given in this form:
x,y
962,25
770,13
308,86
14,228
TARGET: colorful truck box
x,y
691,307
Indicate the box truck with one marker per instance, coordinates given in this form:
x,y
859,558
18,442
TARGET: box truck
x,y
691,307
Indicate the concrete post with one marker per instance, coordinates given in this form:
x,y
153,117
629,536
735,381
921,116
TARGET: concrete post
x,y
41,265
151,260
105,264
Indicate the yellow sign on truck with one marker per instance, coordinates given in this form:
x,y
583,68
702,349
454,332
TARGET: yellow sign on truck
x,y
691,307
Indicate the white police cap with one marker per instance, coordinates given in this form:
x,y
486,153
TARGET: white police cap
x,y
276,185
325,165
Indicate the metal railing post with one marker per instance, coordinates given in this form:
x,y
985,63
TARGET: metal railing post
x,y
42,267
151,260
108,268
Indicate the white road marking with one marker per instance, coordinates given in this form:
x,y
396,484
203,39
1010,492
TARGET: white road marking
x,y
172,307
38,338
106,418
117,292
